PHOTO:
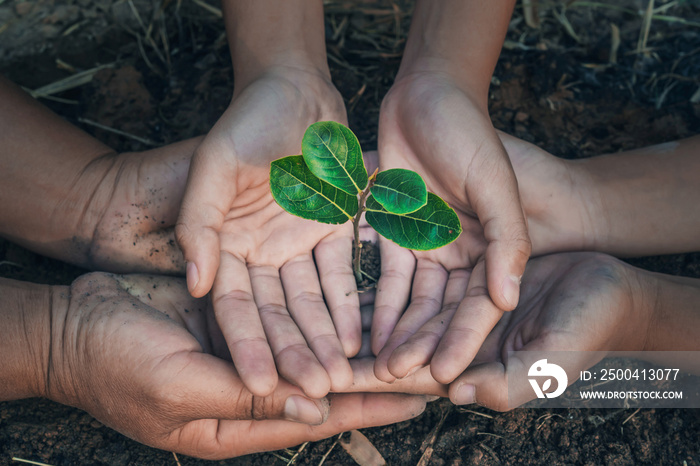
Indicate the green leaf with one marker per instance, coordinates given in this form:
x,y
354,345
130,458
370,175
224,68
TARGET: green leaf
x,y
432,226
333,154
300,192
400,191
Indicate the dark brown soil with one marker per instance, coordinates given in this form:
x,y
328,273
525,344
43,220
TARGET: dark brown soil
x,y
556,90
370,264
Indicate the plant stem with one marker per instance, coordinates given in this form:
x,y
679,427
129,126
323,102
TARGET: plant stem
x,y
356,226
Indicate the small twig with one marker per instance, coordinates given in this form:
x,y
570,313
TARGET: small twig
x,y
145,141
369,276
490,451
323,459
646,27
279,457
561,17
630,416
211,9
614,43
21,460
65,84
298,452
490,434
532,18
427,445
177,461
546,418
11,263
664,93
464,410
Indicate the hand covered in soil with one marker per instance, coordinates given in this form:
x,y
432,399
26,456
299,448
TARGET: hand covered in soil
x,y
135,232
68,196
257,259
574,302
432,126
135,352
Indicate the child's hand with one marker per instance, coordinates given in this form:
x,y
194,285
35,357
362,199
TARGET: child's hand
x,y
432,126
259,260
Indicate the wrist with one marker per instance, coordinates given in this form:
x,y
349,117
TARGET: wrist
x,y
461,39
561,203
672,309
643,292
26,341
275,33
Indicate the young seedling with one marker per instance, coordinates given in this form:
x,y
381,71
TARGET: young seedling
x,y
329,183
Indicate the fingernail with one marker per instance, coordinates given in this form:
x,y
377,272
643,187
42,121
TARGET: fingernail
x,y
300,409
431,398
465,394
192,276
511,290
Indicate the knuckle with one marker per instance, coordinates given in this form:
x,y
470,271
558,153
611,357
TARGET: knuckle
x,y
477,291
233,298
307,298
427,302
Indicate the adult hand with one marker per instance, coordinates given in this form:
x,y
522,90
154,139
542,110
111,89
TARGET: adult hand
x,y
574,302
68,196
259,260
432,125
134,352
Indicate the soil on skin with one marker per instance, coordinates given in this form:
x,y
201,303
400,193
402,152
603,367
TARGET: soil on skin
x,y
557,86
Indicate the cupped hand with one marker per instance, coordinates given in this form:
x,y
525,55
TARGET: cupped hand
x,y
259,260
141,193
432,126
573,302
135,352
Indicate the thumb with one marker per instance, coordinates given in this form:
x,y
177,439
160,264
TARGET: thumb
x,y
503,387
210,191
505,229
207,387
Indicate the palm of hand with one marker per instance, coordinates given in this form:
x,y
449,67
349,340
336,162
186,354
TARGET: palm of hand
x,y
134,352
257,258
575,302
124,360
428,124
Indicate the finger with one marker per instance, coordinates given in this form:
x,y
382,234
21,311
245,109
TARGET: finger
x,y
371,159
366,313
506,386
294,359
208,197
500,213
419,383
239,320
348,412
219,348
426,300
435,310
393,290
334,260
367,298
366,350
207,387
306,305
169,296
473,320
